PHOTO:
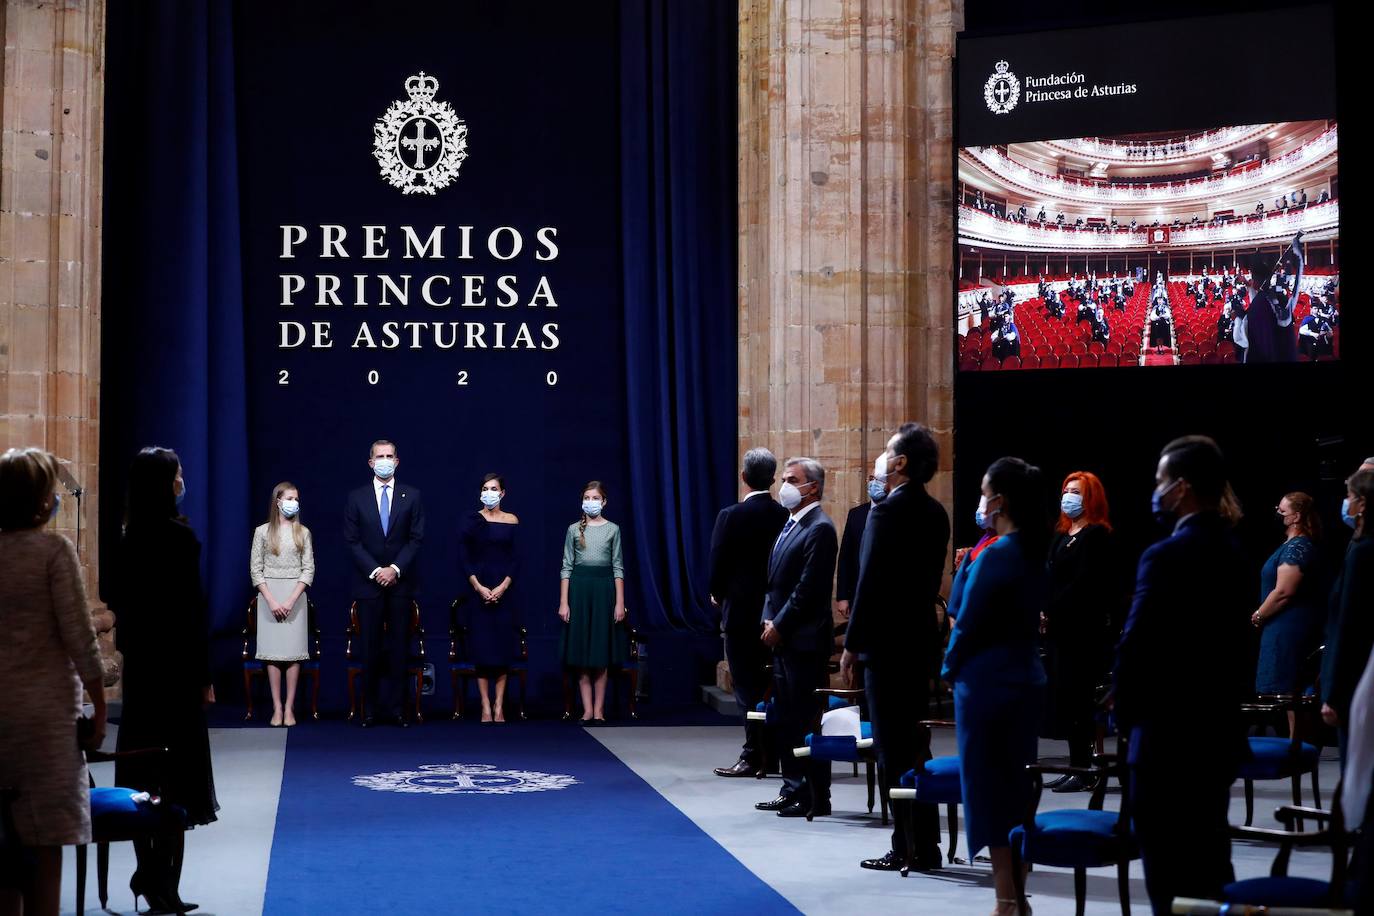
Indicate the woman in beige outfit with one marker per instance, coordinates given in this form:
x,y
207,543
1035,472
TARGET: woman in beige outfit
x,y
282,566
47,654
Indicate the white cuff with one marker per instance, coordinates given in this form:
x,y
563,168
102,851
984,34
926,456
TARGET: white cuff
x,y
398,570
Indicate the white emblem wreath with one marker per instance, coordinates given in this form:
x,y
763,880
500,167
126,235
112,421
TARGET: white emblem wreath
x,y
387,131
464,779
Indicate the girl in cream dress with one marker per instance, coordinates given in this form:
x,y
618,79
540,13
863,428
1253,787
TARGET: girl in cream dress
x,y
282,567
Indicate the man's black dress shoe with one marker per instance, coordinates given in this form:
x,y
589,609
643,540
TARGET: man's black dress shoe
x,y
1059,781
802,809
741,767
367,722
777,804
889,862
1077,783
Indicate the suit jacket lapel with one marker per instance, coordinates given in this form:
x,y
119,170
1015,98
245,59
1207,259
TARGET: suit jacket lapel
x,y
790,540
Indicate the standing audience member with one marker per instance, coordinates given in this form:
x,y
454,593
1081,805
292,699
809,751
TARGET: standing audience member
x,y
798,628
847,570
164,636
994,664
1194,578
1078,619
489,562
282,566
592,601
48,654
893,629
740,544
384,526
1291,596
1351,620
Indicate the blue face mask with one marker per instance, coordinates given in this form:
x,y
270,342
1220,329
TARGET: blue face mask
x,y
980,519
591,507
491,498
1071,504
181,495
384,468
877,490
1350,520
1162,515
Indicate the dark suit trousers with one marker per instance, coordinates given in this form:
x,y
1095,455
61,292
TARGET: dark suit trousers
x,y
384,653
1180,822
748,659
796,675
899,697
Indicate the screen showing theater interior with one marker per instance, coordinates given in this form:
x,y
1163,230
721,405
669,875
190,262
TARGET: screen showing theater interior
x,y
1217,246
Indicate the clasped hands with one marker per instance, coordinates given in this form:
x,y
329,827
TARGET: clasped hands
x,y
490,595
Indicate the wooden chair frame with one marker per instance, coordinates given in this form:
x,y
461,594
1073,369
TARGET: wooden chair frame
x,y
415,666
628,671
1279,705
250,642
458,655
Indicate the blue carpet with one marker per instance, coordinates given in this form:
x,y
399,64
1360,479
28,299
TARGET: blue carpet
x,y
607,844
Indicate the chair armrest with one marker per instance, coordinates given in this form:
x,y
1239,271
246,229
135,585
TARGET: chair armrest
x,y
1290,837
1288,813
1040,769
841,692
937,723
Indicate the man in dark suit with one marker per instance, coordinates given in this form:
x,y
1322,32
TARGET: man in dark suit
x,y
797,626
383,526
847,572
740,545
893,628
1186,735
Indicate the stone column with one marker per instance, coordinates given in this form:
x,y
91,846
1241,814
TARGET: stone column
x,y
846,230
52,116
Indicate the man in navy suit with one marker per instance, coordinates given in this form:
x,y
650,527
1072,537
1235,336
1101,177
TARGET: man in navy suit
x,y
384,525
740,545
799,628
1181,677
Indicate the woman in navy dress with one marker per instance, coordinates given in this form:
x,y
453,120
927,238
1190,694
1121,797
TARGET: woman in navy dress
x,y
489,560
1291,606
993,662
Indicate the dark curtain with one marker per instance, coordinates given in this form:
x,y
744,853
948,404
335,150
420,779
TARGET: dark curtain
x,y
173,331
678,98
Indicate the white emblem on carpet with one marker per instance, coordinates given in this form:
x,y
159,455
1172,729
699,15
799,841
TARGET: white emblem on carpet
x,y
464,779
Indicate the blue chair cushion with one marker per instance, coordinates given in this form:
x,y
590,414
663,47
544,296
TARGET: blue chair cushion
x,y
1276,892
838,703
311,664
1072,838
938,781
1269,759
115,815
840,748
252,665
462,666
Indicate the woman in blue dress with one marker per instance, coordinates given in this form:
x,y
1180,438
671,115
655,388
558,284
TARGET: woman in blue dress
x,y
993,661
1291,604
490,562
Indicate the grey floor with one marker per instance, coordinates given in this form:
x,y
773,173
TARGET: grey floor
x,y
814,866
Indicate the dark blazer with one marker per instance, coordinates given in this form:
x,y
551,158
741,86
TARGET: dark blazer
x,y
901,563
800,573
847,573
1350,628
740,544
1181,674
369,548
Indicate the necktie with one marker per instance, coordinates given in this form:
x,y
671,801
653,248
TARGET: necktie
x,y
386,510
786,529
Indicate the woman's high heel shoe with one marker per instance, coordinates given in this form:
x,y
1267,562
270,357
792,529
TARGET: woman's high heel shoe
x,y
158,905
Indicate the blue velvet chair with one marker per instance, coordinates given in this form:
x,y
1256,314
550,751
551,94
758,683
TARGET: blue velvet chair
x,y
1281,758
847,748
935,782
253,668
462,671
415,664
1078,838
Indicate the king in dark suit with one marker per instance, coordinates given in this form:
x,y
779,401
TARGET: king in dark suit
x,y
740,545
798,627
1186,735
893,627
384,524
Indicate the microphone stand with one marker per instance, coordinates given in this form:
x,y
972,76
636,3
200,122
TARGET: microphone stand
x,y
73,487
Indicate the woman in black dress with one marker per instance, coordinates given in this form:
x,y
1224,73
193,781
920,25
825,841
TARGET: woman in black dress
x,y
489,561
162,632
1077,622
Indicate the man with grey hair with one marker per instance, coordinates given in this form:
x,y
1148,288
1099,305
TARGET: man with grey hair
x,y
797,626
740,543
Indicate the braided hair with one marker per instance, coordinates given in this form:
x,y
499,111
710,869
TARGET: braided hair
x,y
582,526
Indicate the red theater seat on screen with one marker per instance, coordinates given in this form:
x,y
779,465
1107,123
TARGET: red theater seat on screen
x,y
991,365
1030,362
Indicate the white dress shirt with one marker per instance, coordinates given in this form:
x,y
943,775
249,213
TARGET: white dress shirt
x,y
377,485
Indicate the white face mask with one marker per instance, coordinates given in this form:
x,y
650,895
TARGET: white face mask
x,y
789,496
289,507
880,467
384,468
591,507
491,498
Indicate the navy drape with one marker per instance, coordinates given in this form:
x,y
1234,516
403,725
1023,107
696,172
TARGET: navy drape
x,y
678,101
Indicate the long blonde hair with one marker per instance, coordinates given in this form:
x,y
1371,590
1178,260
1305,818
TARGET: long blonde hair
x,y
582,526
275,518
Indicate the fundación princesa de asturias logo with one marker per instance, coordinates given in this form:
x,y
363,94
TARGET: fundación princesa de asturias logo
x,y
420,143
1002,90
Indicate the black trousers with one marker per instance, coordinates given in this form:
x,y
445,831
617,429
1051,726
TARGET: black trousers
x,y
898,697
384,652
796,675
748,659
1189,854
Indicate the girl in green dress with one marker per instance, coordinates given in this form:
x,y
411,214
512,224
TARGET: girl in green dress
x,y
592,601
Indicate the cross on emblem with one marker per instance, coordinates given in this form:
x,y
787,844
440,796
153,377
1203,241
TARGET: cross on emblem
x,y
420,144
1001,91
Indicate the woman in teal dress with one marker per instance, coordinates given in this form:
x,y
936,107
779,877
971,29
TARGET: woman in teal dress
x,y
1291,606
592,604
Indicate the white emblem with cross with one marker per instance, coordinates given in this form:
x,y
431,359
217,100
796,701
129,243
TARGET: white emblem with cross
x,y
464,779
403,152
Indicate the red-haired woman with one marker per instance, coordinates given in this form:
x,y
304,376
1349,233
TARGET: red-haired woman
x,y
1077,623
1290,614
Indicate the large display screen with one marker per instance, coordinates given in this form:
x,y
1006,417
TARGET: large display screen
x,y
1118,210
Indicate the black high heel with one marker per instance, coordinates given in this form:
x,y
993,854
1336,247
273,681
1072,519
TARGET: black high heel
x,y
157,904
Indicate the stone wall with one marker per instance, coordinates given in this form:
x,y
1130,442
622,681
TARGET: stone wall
x,y
52,116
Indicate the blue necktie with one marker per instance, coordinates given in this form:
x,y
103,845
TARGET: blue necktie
x,y
786,529
386,510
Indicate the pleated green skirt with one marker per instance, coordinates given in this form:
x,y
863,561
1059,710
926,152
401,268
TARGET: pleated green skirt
x,y
591,638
